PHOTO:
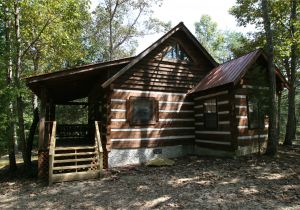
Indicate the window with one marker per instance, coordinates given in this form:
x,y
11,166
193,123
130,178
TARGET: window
x,y
177,53
255,114
210,113
142,111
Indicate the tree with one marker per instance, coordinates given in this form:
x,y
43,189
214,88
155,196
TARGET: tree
x,y
273,139
285,40
46,34
7,105
221,44
116,25
291,74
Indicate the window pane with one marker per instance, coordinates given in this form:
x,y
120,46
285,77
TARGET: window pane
x,y
142,110
255,118
211,120
210,112
177,53
210,106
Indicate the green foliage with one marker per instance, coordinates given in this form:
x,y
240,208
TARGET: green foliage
x,y
116,25
59,34
51,34
57,26
248,12
71,114
222,45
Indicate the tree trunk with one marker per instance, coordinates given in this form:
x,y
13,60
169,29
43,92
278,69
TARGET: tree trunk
x,y
30,139
35,120
273,139
20,103
290,134
279,115
11,124
110,31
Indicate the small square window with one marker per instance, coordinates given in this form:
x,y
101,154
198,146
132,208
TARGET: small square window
x,y
142,111
210,113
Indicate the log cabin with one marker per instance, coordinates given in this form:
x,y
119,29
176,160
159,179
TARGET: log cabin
x,y
171,100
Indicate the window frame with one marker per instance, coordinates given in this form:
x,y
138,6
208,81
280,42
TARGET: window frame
x,y
259,116
129,115
205,114
179,52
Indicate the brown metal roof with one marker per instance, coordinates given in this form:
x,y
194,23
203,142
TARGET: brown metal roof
x,y
226,73
231,72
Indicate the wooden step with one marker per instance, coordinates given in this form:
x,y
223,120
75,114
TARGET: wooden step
x,y
83,175
73,167
74,160
73,154
74,148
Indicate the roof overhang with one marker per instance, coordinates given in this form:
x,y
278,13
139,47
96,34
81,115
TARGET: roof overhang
x,y
75,83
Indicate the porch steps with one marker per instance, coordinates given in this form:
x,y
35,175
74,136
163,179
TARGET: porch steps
x,y
74,163
75,176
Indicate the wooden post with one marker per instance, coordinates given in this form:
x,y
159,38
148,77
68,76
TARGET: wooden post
x,y
52,111
41,144
43,155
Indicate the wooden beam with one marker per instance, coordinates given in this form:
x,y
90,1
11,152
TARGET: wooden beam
x,y
76,70
41,144
73,103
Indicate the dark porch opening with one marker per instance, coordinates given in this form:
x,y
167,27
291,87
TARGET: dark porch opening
x,y
72,124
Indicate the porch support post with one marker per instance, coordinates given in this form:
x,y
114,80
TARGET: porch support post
x,y
41,145
43,155
52,112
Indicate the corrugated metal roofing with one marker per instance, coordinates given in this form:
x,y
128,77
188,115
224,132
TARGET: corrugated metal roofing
x,y
228,72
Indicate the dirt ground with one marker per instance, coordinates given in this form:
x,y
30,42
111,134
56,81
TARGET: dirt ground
x,y
192,183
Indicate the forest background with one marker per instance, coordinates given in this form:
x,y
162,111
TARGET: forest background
x,y
40,36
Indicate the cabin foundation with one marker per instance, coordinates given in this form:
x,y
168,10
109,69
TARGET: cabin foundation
x,y
121,157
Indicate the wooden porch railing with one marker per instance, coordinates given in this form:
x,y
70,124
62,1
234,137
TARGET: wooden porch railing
x,y
52,151
73,131
98,144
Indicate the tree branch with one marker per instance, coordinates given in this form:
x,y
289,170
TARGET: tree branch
x,y
35,39
130,29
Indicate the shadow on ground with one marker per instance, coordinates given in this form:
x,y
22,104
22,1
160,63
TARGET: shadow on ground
x,y
255,182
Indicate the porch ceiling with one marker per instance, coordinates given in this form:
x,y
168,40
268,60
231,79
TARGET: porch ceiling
x,y
75,83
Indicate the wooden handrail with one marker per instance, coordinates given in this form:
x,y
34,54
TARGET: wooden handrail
x,y
98,143
51,151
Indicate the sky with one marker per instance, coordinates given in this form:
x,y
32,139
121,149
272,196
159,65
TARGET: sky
x,y
188,12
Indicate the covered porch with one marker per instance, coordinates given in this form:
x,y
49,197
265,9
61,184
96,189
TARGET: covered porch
x,y
72,148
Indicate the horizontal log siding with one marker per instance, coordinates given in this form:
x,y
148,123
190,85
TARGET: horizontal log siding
x,y
246,136
161,75
175,124
221,137
168,82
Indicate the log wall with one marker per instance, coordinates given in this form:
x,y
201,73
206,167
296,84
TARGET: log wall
x,y
168,82
175,124
156,73
220,138
245,135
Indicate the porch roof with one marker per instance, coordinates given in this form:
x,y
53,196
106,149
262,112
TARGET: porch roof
x,y
74,83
